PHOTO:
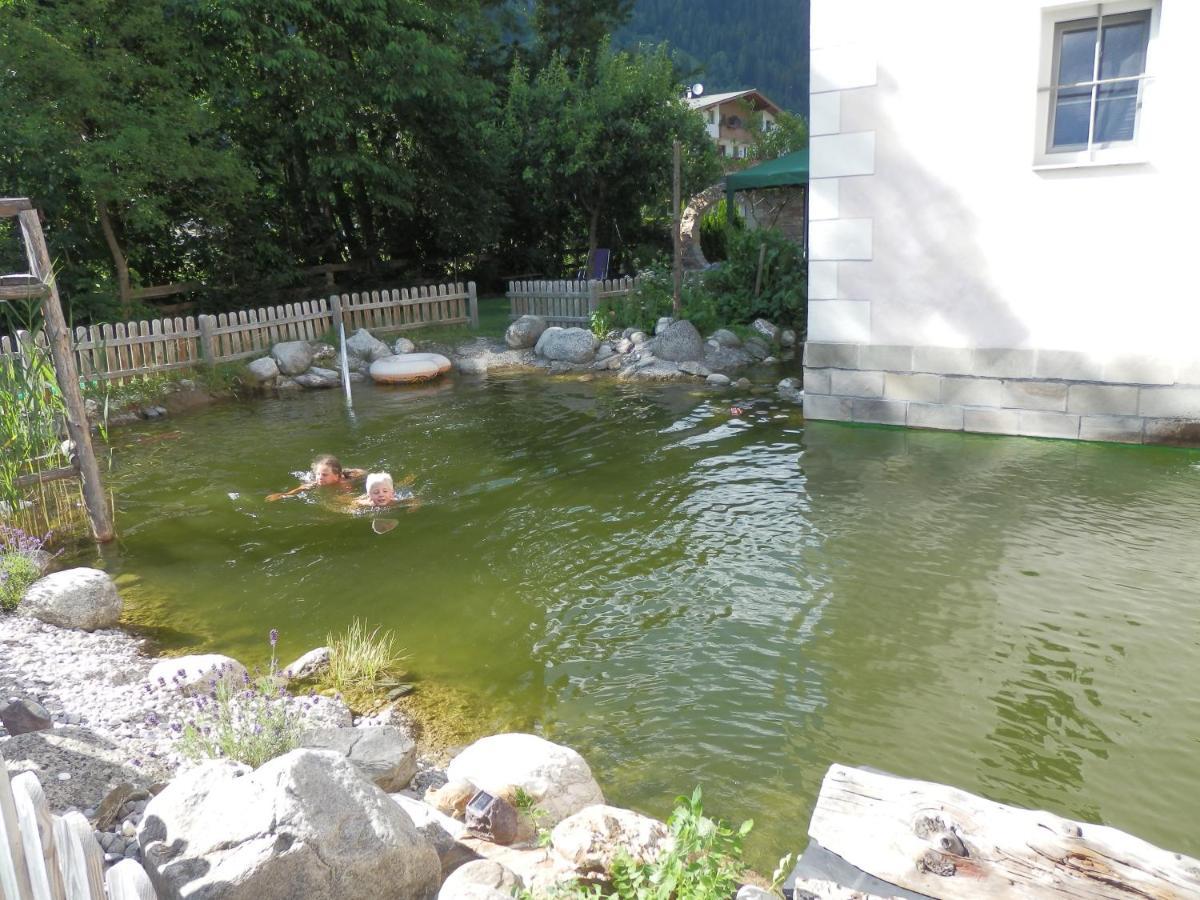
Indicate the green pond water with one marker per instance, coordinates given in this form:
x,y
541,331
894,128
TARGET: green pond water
x,y
688,598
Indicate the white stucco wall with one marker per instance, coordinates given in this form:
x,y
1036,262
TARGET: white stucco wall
x,y
931,224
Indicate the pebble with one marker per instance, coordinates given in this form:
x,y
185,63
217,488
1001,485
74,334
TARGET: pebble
x,y
64,776
128,828
111,858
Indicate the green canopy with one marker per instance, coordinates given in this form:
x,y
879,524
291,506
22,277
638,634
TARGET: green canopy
x,y
789,169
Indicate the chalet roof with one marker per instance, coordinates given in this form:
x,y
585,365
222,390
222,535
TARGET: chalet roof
x,y
761,99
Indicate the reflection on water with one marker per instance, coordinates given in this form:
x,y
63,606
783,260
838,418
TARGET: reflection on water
x,y
691,598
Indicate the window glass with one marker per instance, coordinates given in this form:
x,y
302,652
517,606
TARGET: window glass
x,y
1116,112
1071,113
1077,55
1123,49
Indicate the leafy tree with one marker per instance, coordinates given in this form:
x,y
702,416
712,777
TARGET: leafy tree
x,y
787,134
600,165
103,129
572,28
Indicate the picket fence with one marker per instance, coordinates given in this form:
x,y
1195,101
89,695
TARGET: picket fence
x,y
47,857
565,302
133,349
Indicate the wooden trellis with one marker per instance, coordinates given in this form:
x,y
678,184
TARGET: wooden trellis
x,y
38,284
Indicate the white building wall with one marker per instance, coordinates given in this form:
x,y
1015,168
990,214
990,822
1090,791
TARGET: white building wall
x,y
932,223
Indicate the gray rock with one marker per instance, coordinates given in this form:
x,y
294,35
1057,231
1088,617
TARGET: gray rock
x,y
624,345
787,338
726,359
627,332
197,673
638,337
742,384
286,384
364,345
384,754
482,879
310,665
471,365
757,349
726,338
74,598
691,367
525,332
292,357
593,838
606,365
24,716
768,330
496,820
555,777
402,345
324,352
662,324
791,389
319,378
263,371
303,825
770,361
440,830
680,341
753,892
604,352
718,379
572,345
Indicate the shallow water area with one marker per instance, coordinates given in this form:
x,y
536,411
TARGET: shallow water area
x,y
690,597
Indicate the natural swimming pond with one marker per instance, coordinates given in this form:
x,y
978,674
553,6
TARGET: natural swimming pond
x,y
688,599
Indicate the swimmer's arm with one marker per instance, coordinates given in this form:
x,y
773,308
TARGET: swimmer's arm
x,y
353,473
298,489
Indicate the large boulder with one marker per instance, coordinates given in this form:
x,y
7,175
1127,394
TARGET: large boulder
x,y
593,838
556,778
196,674
679,341
384,755
767,329
440,830
263,370
303,825
524,332
364,345
74,598
20,716
409,367
482,879
319,378
572,345
292,357
726,338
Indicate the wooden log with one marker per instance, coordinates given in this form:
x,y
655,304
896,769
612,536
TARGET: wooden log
x,y
78,428
10,206
946,843
37,835
22,287
81,857
128,881
15,881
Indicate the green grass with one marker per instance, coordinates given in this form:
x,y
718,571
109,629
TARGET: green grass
x,y
17,573
362,664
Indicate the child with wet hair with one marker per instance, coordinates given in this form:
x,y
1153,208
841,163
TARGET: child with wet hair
x,y
326,471
381,491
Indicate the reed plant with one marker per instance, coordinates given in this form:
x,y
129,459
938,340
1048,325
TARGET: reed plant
x,y
363,663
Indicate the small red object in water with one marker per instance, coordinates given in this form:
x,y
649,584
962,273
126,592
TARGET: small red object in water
x,y
736,410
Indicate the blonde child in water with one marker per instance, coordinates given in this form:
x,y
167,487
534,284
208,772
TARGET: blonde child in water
x,y
326,471
381,492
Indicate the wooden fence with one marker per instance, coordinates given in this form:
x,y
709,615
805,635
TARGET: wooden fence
x,y
46,857
565,302
133,349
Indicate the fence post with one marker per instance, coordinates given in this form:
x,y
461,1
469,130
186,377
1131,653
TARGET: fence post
x,y
335,310
473,304
593,297
208,341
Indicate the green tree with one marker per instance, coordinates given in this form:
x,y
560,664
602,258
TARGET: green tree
x,y
787,134
592,150
104,129
572,28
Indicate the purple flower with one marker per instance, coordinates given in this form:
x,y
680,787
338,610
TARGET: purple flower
x,y
274,636
177,728
136,762
182,673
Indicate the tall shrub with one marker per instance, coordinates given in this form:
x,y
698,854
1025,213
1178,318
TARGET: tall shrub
x,y
714,227
782,288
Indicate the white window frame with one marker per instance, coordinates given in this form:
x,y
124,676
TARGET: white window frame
x,y
1131,152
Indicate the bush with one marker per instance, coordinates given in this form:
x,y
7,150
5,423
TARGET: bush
x,y
714,230
17,573
252,722
783,291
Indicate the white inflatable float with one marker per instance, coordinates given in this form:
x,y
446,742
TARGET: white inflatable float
x,y
409,367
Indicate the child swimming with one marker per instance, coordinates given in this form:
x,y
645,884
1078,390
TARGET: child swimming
x,y
326,471
381,492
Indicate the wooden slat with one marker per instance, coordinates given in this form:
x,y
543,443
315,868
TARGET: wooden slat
x,y
128,881
946,843
37,836
15,880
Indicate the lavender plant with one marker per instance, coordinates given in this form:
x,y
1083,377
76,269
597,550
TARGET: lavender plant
x,y
18,570
250,720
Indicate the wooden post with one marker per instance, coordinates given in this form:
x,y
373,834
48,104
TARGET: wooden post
x,y
59,340
208,340
762,252
17,880
473,304
676,240
335,310
593,298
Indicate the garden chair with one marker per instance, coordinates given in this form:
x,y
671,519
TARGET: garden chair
x,y
597,265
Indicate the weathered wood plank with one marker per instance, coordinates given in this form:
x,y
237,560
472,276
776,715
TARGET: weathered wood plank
x,y
37,835
15,881
946,843
81,857
128,881
10,206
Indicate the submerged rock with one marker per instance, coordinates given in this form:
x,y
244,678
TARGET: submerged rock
x,y
790,389
74,598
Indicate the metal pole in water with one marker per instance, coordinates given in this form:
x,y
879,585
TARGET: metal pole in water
x,y
345,363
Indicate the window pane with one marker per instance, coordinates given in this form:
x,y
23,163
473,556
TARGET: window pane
x,y
1072,109
1123,49
1077,55
1116,112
